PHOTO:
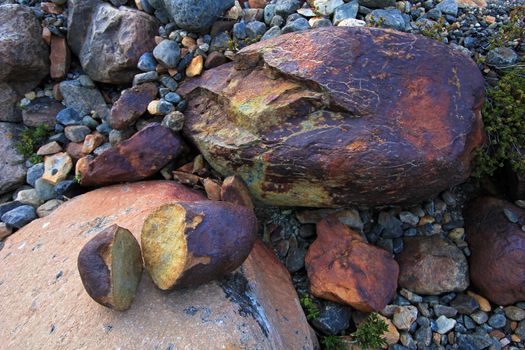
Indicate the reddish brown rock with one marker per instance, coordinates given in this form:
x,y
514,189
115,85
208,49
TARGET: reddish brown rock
x,y
234,190
343,268
52,8
137,158
131,105
250,309
497,245
431,266
42,110
337,116
59,57
109,41
215,59
75,150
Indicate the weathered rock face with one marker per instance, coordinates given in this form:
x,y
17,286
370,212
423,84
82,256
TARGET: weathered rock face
x,y
42,110
193,15
25,56
343,268
497,245
8,99
109,41
249,309
335,116
12,169
137,158
431,266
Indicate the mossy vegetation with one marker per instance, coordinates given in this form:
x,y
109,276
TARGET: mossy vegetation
x,y
369,334
512,31
30,140
333,343
309,306
504,119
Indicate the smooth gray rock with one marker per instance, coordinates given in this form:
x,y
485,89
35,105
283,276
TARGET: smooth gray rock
x,y
19,216
167,52
12,169
348,10
83,99
388,18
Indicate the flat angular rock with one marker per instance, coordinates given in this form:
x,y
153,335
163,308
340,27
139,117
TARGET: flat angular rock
x,y
137,158
59,57
42,110
57,167
25,56
343,268
12,169
310,120
432,266
109,41
497,260
250,309
83,99
131,105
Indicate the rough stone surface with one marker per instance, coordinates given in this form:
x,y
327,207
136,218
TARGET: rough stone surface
x,y
343,268
431,266
109,41
8,100
56,167
249,309
137,158
12,169
308,119
497,260
83,99
193,15
131,105
25,56
42,110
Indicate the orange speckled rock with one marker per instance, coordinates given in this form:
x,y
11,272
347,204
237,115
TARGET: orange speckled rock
x,y
343,268
45,306
497,246
137,158
337,116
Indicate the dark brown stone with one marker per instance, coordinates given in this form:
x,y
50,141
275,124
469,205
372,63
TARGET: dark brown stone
x,y
343,268
131,105
42,110
137,158
337,116
431,266
215,59
60,57
497,260
25,56
109,41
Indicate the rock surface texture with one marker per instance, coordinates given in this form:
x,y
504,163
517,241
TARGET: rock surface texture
x,y
109,41
12,169
343,268
24,56
432,266
335,116
137,158
249,309
497,262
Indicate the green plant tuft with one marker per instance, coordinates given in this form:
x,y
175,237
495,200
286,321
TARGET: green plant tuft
x,y
333,342
511,31
503,116
312,311
30,140
369,334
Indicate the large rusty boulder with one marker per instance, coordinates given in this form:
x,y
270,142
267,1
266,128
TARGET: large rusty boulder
x,y
137,158
497,245
344,268
109,41
47,307
338,116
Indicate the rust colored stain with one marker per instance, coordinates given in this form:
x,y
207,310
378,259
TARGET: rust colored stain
x,y
337,116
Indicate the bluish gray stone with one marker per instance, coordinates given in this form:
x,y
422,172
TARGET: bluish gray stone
x,y
271,33
375,4
89,122
35,172
348,10
8,206
286,7
269,13
323,22
333,318
104,129
172,97
67,189
448,7
388,18
145,77
147,62
296,26
169,82
68,116
255,29
76,133
239,30
83,99
44,189
184,62
167,52
443,310
194,15
277,21
479,317
19,216
465,304
220,42
497,321
501,56
165,107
